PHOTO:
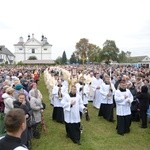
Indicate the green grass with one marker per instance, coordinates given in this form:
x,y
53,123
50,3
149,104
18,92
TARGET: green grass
x,y
98,134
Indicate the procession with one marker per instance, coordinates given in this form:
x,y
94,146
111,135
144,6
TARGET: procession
x,y
75,75
119,94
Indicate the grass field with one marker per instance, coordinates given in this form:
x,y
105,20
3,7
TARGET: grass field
x,y
98,134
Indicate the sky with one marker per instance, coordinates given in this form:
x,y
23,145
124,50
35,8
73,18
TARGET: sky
x,y
65,22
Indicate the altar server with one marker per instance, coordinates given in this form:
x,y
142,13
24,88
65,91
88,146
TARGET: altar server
x,y
123,99
73,104
58,92
83,91
96,84
107,91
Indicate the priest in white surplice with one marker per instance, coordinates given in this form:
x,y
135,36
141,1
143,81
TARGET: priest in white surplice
x,y
58,92
107,91
89,80
123,99
83,91
73,104
96,84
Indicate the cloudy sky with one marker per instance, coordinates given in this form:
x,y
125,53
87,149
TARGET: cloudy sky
x,y
65,22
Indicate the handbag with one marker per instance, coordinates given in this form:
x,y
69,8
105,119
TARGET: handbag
x,y
44,105
31,121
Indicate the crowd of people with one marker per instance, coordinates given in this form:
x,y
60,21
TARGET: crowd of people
x,y
71,88
18,90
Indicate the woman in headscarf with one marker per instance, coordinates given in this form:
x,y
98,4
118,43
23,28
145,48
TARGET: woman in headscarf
x,y
8,99
19,89
37,107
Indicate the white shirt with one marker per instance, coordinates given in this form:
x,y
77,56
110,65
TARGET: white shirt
x,y
71,114
96,83
56,97
85,92
104,90
123,106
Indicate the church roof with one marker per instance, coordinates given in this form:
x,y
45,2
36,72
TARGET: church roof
x,y
4,50
46,43
19,44
31,40
43,42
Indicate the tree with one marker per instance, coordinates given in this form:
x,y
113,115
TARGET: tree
x,y
58,60
73,59
20,63
82,48
32,58
110,51
128,55
6,63
64,58
98,54
94,53
91,52
122,58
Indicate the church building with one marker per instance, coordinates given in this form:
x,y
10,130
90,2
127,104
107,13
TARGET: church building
x,y
32,49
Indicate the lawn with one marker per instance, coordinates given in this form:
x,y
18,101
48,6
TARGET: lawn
x,y
98,134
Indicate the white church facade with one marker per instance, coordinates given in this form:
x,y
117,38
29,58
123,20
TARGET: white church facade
x,y
32,49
